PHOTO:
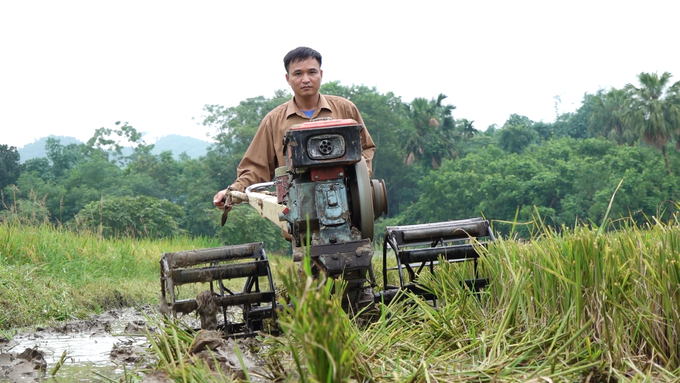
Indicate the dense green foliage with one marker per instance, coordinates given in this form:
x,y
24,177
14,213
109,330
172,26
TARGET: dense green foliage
x,y
9,165
141,216
564,180
435,167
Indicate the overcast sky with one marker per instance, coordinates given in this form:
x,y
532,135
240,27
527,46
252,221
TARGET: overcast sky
x,y
69,67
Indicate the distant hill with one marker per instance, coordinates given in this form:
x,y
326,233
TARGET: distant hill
x,y
177,144
37,149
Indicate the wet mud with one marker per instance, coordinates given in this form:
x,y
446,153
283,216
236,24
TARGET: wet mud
x,y
101,344
102,347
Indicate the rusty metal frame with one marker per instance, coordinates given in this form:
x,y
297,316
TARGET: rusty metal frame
x,y
451,240
214,266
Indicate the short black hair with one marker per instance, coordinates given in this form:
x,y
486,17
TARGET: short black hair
x,y
301,54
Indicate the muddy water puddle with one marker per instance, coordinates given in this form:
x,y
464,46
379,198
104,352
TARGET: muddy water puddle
x,y
97,349
85,354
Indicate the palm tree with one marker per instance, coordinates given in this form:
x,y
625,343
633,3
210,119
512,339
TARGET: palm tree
x,y
609,116
466,129
655,110
432,136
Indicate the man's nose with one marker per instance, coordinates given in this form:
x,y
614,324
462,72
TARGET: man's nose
x,y
305,78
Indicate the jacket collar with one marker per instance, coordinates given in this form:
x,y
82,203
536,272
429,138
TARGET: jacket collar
x,y
292,108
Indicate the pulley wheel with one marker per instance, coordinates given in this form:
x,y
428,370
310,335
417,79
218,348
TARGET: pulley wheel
x,y
379,198
362,200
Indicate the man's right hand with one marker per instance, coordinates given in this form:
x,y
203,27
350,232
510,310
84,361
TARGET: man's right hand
x,y
222,199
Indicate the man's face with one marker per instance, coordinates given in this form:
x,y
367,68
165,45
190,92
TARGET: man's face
x,y
304,77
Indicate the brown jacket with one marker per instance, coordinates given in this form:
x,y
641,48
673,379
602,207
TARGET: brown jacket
x,y
265,152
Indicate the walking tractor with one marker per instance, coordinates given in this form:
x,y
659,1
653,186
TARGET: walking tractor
x,y
327,204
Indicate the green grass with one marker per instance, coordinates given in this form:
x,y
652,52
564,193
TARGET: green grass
x,y
49,273
579,305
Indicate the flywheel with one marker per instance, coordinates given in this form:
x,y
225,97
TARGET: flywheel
x,y
379,198
362,200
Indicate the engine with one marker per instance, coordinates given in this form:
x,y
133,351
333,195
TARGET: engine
x,y
331,204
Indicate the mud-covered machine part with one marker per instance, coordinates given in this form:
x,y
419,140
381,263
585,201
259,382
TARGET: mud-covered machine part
x,y
324,190
422,247
215,266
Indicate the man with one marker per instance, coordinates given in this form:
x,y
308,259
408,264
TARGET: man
x,y
265,153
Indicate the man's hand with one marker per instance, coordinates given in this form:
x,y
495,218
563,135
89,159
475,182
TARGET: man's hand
x,y
223,201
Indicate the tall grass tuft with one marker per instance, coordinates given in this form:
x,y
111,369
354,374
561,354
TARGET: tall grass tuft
x,y
626,284
31,211
319,334
614,297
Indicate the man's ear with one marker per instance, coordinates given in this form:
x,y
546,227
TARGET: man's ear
x,y
287,79
321,73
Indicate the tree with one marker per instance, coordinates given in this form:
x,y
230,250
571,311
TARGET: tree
x,y
467,131
196,185
545,130
575,124
655,110
246,225
235,126
104,143
39,165
516,119
566,180
63,158
155,174
609,117
10,167
432,136
28,197
131,216
515,138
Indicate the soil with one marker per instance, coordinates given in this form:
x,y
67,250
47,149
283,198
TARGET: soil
x,y
106,345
